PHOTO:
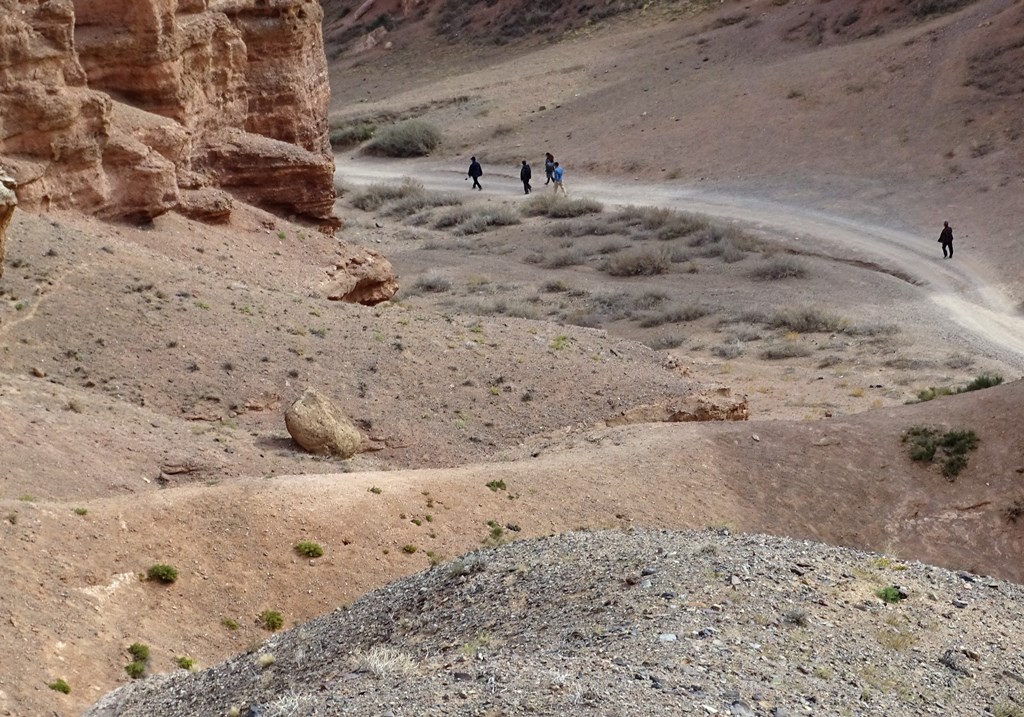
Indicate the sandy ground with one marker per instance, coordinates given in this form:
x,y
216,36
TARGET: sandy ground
x,y
130,353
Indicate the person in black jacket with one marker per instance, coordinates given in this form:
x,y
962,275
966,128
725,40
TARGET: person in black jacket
x,y
525,174
475,172
549,166
946,240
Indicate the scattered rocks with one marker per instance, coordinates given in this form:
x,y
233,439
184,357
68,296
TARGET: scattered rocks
x,y
549,626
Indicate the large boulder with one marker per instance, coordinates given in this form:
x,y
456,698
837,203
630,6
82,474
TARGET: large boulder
x,y
8,201
360,276
317,425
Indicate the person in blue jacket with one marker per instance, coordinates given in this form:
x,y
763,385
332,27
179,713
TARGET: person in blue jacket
x,y
556,177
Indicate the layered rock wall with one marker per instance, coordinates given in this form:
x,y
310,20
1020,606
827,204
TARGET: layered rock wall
x,y
131,108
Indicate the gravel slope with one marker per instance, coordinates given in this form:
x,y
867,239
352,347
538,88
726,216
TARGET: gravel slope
x,y
633,623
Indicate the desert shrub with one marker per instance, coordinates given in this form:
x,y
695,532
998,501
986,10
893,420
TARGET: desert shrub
x,y
674,315
271,620
185,662
830,360
429,284
778,267
374,196
60,685
452,218
562,259
556,207
135,669
731,254
555,286
983,381
669,341
611,247
777,352
139,651
352,134
928,394
924,443
162,572
481,220
796,616
411,138
889,594
582,228
416,202
665,224
384,662
639,263
728,351
805,320
309,549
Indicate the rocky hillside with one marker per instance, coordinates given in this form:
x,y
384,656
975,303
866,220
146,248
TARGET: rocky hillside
x,y
634,623
133,109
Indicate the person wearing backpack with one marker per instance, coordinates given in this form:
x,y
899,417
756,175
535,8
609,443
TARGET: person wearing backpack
x,y
549,166
525,174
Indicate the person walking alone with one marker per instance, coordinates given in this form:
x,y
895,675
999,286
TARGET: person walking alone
x,y
475,172
946,240
556,177
549,166
525,174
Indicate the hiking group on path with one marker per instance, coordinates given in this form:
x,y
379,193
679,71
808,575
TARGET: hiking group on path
x,y
552,171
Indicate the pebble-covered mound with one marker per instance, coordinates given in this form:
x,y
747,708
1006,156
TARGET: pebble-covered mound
x,y
634,623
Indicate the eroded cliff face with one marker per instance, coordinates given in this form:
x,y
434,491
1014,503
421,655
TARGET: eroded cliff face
x,y
132,108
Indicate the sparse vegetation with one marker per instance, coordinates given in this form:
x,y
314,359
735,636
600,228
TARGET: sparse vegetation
x,y
230,623
135,670
644,262
384,662
309,549
60,685
409,549
496,485
81,511
376,195
162,572
352,134
983,381
556,207
923,444
785,350
411,138
271,620
777,268
889,594
185,662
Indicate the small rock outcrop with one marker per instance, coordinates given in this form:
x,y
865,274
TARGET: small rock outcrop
x,y
118,108
318,426
699,407
360,277
8,201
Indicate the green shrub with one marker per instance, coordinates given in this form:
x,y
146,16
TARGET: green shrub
x,y
309,549
60,685
186,663
496,485
928,394
925,443
411,138
890,594
271,620
230,623
982,381
139,651
162,572
409,549
135,670
81,511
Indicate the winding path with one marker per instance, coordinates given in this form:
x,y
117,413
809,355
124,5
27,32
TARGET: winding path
x,y
960,296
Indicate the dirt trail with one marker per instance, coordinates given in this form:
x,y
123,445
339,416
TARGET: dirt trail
x,y
963,301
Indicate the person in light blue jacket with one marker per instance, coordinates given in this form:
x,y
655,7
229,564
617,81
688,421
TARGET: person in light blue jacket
x,y
556,177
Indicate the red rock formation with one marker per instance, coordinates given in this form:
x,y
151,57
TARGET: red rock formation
x,y
360,276
8,201
117,106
